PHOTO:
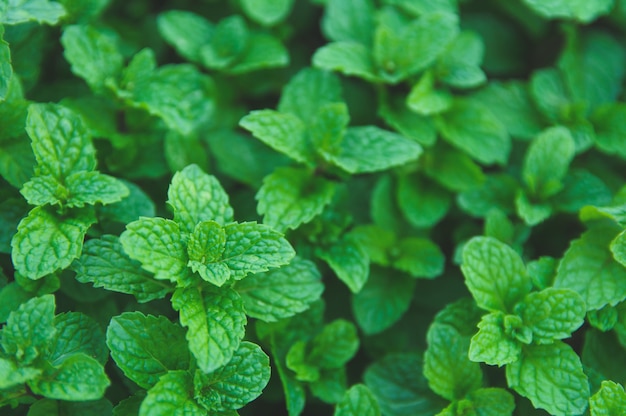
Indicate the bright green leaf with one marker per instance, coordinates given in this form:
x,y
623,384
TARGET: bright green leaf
x,y
187,32
411,125
492,401
584,11
171,396
349,261
425,99
334,346
267,12
11,375
76,333
41,11
531,212
610,400
350,21
491,344
44,190
349,58
419,257
459,66
422,202
358,401
92,188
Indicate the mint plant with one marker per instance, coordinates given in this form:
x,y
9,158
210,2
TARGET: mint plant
x,y
329,207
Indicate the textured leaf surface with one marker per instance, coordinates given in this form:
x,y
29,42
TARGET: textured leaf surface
x,y
447,367
419,257
11,375
281,293
77,376
610,400
60,141
92,188
196,196
453,169
45,243
44,190
349,58
215,322
76,333
492,402
104,263
335,345
171,396
494,274
588,268
29,328
146,347
552,313
552,377
235,384
267,12
157,244
491,344
358,401
349,260
291,196
187,32
42,11
350,20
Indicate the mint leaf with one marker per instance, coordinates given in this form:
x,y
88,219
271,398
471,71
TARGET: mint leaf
x,y
77,376
494,274
400,388
263,52
60,141
281,293
50,407
195,196
104,263
474,129
29,329
45,242
41,11
349,260
11,375
349,21
171,396
552,314
422,202
463,315
76,333
370,149
44,190
334,346
453,169
531,212
547,161
6,70
267,12
137,345
610,400
215,322
237,383
498,191
187,32
583,11
307,92
93,55
411,125
327,127
552,377
588,268
349,58
92,188
157,244
419,257
205,247
292,196
581,188
254,248
491,344
609,126
425,99
383,300
459,65
549,93
447,367
227,43
283,132
492,402
358,401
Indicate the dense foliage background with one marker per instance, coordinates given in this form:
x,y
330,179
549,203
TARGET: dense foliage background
x,y
349,207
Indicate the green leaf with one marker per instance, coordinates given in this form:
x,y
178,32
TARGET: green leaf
x,y
492,402
531,212
358,401
307,92
44,190
552,377
588,268
292,196
610,126
50,407
419,257
382,301
463,315
350,21
171,396
29,328
425,99
400,388
45,242
459,66
11,375
60,141
93,55
603,319
491,344
498,191
267,12
237,383
6,70
581,188
158,245
583,11
349,261
254,248
610,400
552,313
547,161
422,202
92,188
281,293
327,127
549,93
453,169
187,32
41,11
215,322
146,347
77,376
474,129
349,58
498,226
283,132
411,125
227,44
447,367
76,333
104,263
494,274
334,346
